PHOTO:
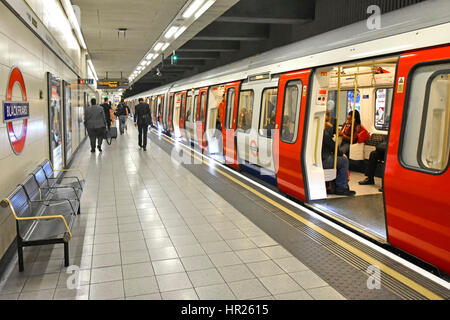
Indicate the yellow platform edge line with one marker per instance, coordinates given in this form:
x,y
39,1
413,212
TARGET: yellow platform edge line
x,y
396,275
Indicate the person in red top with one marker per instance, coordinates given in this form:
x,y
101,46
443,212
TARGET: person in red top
x,y
222,109
360,134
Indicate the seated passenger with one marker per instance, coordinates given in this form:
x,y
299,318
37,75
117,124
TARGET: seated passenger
x,y
328,147
271,125
360,134
287,133
241,120
375,156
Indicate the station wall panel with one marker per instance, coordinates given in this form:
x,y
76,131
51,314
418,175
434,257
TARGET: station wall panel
x,y
19,47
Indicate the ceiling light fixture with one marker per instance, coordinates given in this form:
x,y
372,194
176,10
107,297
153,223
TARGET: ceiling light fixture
x,y
179,32
172,30
150,56
143,63
204,8
192,8
165,46
158,46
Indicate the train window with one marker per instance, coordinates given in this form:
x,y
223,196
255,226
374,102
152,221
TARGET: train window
x,y
268,112
291,111
230,106
183,106
202,106
426,139
188,108
170,108
194,113
383,102
245,110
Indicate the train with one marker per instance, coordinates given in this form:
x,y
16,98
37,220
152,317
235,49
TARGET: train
x,y
271,110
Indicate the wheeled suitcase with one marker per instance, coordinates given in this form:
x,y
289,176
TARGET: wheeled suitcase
x,y
112,133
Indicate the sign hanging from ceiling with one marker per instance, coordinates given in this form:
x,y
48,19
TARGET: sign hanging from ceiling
x,y
112,84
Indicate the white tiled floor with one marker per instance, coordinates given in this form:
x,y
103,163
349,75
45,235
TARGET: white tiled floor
x,y
149,229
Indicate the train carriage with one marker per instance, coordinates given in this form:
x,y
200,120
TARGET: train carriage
x,y
273,118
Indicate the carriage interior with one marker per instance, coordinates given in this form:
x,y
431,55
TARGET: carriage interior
x,y
367,87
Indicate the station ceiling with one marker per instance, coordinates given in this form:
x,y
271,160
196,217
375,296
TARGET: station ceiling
x,y
228,31
118,52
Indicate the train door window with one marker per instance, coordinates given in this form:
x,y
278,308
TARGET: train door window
x,y
194,113
230,106
202,106
245,110
291,111
188,108
183,105
268,112
170,107
426,139
383,102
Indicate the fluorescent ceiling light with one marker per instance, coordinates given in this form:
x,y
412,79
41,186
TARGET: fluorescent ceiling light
x,y
158,46
150,56
156,56
139,68
172,30
91,66
74,22
204,8
143,63
192,8
148,62
179,32
165,46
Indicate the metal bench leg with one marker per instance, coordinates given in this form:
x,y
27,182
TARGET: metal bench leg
x,y
66,254
20,255
79,209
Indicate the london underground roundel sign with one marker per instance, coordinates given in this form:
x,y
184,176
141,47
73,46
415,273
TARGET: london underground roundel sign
x,y
14,111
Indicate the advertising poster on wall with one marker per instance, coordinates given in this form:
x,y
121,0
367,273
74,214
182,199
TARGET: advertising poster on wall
x,y
67,123
55,120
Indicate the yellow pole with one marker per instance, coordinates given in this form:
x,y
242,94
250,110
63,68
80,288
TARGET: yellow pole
x,y
337,117
354,106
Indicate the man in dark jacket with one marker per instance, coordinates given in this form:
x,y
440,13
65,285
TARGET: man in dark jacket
x,y
328,149
106,107
95,124
142,119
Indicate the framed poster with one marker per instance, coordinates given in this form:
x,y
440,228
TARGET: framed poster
x,y
55,121
67,123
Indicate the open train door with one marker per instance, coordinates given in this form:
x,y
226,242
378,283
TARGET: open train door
x,y
170,117
417,175
200,122
290,118
182,115
228,120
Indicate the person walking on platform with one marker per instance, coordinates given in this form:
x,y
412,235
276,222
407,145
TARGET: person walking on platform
x,y
142,119
106,108
122,112
95,123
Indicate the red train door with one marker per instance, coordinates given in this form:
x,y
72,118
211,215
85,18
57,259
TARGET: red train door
x,y
293,88
201,117
417,179
228,121
170,114
182,114
161,112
